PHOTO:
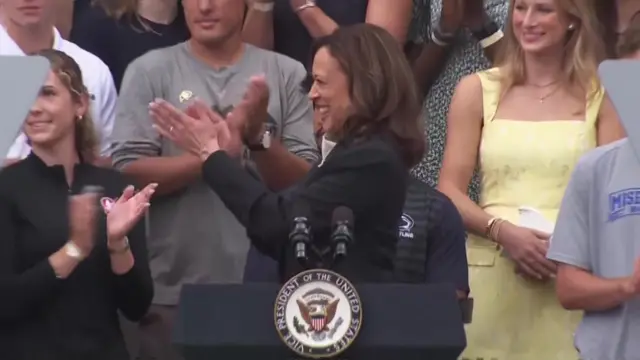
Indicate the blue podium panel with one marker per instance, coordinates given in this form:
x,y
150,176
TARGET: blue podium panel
x,y
399,322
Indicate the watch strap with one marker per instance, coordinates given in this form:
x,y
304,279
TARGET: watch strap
x,y
441,38
263,144
121,250
256,147
486,30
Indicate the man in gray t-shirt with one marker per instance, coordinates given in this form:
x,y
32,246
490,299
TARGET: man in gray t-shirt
x,y
597,247
193,237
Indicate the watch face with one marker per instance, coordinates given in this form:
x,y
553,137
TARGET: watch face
x,y
73,251
266,140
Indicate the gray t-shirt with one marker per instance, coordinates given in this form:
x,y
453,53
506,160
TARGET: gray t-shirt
x,y
193,237
597,231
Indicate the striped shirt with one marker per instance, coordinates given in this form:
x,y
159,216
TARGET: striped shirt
x,y
431,246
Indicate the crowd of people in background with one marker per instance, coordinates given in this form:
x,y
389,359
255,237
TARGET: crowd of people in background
x,y
511,101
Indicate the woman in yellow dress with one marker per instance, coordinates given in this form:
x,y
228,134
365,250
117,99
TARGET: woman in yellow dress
x,y
523,125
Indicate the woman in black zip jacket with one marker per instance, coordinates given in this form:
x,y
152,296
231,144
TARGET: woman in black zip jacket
x,y
69,259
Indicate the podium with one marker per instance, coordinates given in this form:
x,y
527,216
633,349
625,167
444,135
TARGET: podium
x,y
400,321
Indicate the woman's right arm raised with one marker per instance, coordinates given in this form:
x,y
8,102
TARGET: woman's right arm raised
x,y
464,130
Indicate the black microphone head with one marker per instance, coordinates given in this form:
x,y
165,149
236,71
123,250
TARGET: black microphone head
x,y
301,209
342,214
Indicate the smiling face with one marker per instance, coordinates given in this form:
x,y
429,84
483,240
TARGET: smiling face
x,y
213,21
540,25
52,118
329,92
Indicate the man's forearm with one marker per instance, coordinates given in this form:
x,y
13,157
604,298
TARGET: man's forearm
x,y
170,173
278,167
317,23
428,65
258,29
584,291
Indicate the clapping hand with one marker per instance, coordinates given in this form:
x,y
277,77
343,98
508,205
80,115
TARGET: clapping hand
x,y
127,211
229,136
475,15
451,16
250,116
83,214
198,130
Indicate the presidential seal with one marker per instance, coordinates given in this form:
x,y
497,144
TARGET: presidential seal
x,y
318,313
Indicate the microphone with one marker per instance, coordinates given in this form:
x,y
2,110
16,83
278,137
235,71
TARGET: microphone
x,y
342,235
300,234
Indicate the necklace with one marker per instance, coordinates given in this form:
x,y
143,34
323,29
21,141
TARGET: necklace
x,y
545,96
542,86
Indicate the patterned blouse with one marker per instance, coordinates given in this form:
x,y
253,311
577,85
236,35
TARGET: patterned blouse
x,y
466,58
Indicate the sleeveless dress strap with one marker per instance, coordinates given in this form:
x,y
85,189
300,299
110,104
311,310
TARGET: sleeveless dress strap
x,y
490,93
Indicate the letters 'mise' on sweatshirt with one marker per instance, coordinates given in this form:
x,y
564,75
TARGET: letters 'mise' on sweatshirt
x,y
597,231
193,237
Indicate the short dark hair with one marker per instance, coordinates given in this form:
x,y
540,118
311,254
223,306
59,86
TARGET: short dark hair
x,y
606,12
382,88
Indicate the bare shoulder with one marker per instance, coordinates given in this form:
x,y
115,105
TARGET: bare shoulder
x,y
467,97
469,90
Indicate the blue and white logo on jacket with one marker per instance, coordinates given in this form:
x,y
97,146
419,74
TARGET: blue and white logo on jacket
x,y
406,227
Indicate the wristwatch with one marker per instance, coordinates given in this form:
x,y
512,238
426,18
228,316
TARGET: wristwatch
x,y
73,251
441,38
263,144
487,29
488,34
121,250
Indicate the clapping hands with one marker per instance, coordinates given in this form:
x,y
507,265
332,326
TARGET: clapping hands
x,y
128,209
198,130
83,214
121,217
201,131
462,13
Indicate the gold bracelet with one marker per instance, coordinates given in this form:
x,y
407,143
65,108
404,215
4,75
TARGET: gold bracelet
x,y
487,229
495,230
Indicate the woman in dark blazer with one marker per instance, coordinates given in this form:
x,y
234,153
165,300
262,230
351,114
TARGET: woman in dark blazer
x,y
69,260
365,94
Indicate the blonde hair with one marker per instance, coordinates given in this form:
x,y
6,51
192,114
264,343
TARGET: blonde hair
x,y
584,50
68,71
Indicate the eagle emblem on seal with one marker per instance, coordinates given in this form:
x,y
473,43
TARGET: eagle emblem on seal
x,y
317,310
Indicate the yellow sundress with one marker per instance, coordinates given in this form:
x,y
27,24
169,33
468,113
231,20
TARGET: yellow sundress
x,y
522,163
